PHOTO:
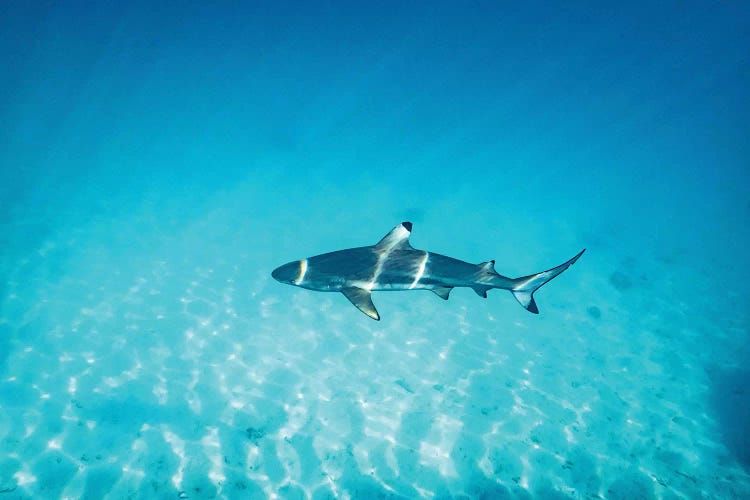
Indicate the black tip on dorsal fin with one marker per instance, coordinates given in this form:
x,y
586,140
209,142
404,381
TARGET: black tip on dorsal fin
x,y
407,225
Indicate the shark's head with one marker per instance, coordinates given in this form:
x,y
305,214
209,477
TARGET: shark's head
x,y
292,273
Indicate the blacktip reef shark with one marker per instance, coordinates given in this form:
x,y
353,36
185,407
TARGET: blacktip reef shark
x,y
393,264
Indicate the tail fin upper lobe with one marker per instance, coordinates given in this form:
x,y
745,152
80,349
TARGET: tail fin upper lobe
x,y
524,288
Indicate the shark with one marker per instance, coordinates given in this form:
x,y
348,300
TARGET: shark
x,y
393,264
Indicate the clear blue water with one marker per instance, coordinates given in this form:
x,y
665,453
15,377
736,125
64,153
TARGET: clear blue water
x,y
157,162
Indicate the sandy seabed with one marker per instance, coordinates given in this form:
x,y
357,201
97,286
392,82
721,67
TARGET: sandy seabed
x,y
157,375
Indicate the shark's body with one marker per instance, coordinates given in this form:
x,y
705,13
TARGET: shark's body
x,y
393,264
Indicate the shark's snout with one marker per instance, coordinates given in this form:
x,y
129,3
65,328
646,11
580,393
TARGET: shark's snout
x,y
293,272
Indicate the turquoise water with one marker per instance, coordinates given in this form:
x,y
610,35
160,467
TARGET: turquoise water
x,y
157,162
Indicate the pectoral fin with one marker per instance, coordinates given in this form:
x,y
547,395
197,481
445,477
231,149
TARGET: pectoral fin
x,y
362,300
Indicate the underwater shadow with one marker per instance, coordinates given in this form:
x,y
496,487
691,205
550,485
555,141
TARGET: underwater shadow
x,y
730,399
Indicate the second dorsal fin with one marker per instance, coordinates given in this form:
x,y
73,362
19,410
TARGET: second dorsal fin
x,y
488,266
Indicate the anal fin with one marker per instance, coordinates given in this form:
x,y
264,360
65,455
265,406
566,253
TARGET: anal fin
x,y
362,300
482,290
443,292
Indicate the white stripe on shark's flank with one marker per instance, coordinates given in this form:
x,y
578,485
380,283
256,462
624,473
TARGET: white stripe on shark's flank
x,y
382,257
420,270
378,269
397,238
302,271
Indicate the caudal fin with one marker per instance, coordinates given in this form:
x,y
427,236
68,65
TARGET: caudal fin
x,y
524,288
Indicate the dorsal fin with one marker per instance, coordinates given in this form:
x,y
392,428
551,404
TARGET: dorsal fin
x,y
397,239
488,266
